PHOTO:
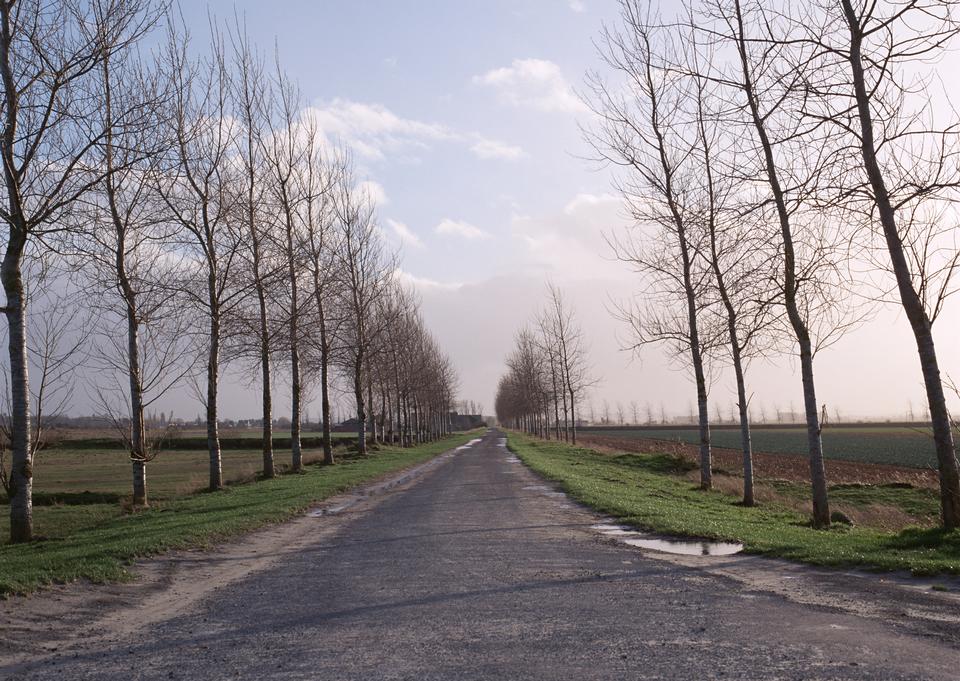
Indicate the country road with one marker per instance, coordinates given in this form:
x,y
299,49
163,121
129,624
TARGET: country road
x,y
476,570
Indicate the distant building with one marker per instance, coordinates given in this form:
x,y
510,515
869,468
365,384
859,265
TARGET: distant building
x,y
348,426
466,421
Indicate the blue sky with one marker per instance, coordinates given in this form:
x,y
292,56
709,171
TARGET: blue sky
x,y
462,111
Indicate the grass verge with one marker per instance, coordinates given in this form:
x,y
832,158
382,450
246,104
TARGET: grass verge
x,y
649,491
95,543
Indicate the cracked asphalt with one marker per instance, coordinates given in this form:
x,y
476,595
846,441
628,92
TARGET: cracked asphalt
x,y
477,571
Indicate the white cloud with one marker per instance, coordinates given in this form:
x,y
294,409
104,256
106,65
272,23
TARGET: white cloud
x,y
404,233
374,132
492,149
582,201
423,283
375,191
461,229
577,6
570,244
533,83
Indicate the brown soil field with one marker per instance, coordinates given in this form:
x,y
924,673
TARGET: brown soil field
x,y
789,467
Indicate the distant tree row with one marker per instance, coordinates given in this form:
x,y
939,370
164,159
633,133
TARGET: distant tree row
x,y
787,164
190,200
547,374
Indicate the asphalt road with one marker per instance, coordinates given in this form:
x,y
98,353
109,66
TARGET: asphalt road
x,y
476,572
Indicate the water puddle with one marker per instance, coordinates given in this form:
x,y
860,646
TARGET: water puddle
x,y
684,547
331,510
468,445
513,459
687,548
544,490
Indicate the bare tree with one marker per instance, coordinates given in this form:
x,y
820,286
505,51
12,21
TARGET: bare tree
x,y
126,251
251,92
903,168
366,272
197,186
763,88
319,176
571,354
643,130
285,154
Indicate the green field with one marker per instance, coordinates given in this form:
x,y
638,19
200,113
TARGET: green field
x,y
91,536
651,492
62,473
895,445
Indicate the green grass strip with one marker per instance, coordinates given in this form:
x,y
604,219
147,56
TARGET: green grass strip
x,y
649,492
102,543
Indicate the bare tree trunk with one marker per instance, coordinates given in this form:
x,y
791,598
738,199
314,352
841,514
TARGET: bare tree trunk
x,y
21,467
912,304
295,407
138,453
383,415
269,470
296,388
361,407
213,379
818,476
745,439
371,412
325,388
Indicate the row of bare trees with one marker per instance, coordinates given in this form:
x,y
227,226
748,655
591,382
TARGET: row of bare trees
x,y
204,218
788,165
547,374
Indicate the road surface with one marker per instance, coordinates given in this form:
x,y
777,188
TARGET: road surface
x,y
476,570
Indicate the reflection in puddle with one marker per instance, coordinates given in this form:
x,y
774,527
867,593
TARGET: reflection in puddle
x,y
468,445
678,546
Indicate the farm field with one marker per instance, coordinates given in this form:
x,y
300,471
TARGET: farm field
x,y
62,474
891,445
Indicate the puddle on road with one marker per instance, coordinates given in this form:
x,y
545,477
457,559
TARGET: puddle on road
x,y
544,490
331,510
468,445
687,548
684,547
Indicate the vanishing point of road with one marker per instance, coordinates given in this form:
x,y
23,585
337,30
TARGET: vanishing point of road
x,y
478,570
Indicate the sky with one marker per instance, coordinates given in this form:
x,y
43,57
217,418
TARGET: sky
x,y
465,120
